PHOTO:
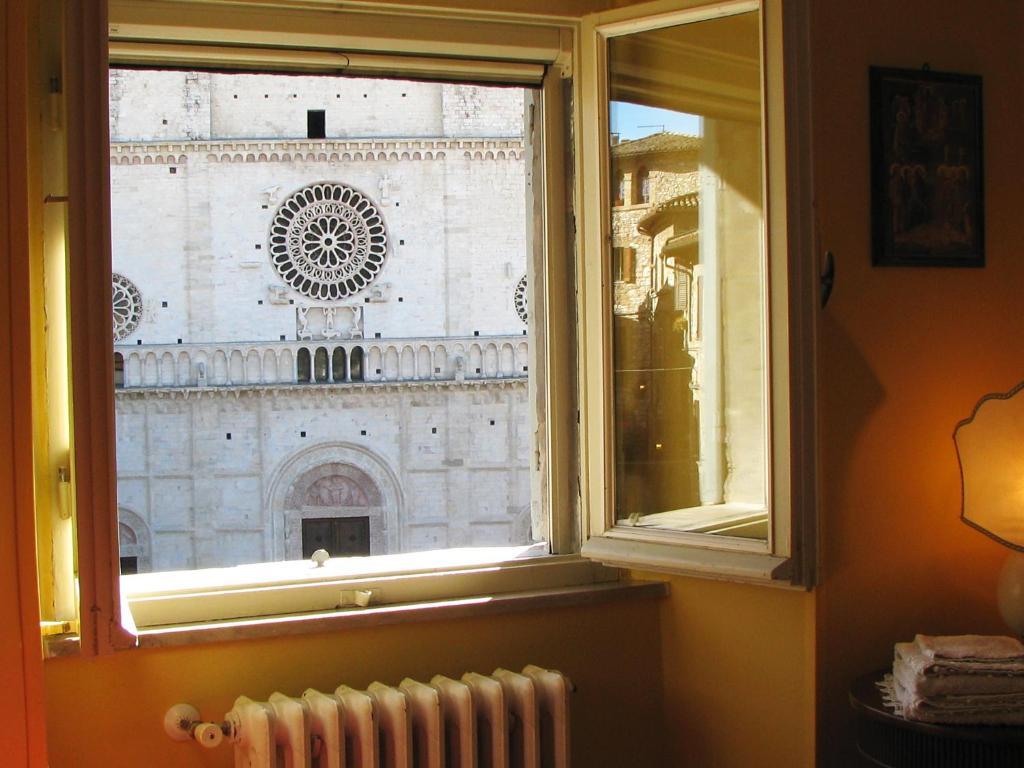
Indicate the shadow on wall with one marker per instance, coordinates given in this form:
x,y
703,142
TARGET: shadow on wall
x,y
843,411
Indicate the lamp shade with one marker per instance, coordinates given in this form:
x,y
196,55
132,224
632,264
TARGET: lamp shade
x,y
990,446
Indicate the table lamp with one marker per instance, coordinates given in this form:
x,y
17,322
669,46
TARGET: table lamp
x,y
990,447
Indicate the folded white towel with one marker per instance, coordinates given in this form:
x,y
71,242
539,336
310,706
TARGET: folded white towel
x,y
921,664
924,685
971,710
971,647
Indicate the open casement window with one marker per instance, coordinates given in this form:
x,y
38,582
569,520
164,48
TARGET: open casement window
x,y
696,419
168,356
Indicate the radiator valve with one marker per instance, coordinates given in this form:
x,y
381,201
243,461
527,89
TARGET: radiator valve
x,y
182,723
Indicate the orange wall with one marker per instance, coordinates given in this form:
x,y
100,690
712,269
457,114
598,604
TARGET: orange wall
x,y
108,711
905,353
737,668
718,675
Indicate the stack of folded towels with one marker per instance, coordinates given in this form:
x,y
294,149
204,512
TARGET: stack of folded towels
x,y
968,679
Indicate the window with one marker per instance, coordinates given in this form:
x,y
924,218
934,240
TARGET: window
x,y
365,314
341,257
316,122
641,182
624,265
118,370
690,436
349,348
620,194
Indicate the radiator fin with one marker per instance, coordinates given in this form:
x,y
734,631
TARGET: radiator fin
x,y
427,723
327,730
523,737
491,720
252,730
360,728
459,721
553,689
393,723
291,731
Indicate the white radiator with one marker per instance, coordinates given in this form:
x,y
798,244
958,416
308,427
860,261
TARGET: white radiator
x,y
505,720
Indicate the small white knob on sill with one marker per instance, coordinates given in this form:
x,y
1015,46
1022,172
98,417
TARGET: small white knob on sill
x,y
320,557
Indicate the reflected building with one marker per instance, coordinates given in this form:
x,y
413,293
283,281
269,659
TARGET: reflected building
x,y
656,284
687,276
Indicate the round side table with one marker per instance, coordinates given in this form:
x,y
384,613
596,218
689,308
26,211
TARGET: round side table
x,y
886,739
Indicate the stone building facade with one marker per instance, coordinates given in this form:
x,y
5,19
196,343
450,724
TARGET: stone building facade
x,y
320,315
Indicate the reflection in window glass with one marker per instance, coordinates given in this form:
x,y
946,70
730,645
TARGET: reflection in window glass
x,y
689,266
321,328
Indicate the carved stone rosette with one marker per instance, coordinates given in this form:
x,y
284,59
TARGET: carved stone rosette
x,y
328,241
519,298
127,307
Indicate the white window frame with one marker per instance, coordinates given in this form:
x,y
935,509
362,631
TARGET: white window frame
x,y
788,555
376,40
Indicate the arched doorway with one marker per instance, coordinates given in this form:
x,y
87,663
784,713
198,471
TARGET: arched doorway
x,y
339,509
133,542
337,497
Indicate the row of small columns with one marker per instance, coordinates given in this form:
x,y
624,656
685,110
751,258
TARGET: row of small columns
x,y
321,367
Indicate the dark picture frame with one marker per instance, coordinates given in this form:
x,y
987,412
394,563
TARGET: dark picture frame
x,y
927,169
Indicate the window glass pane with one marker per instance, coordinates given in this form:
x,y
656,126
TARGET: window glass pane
x,y
689,331
320,312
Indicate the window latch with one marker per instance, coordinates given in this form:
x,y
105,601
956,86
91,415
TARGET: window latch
x,y
64,492
358,598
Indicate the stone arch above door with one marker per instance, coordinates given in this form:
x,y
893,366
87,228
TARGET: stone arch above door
x,y
335,480
134,539
335,484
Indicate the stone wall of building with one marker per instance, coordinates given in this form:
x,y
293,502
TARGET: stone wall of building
x,y
669,176
192,235
206,478
155,105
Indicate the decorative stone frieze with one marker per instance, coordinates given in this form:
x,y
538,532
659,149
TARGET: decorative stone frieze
x,y
283,151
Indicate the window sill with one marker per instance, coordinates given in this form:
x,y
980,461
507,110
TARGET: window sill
x,y
711,518
299,572
456,608
161,601
729,565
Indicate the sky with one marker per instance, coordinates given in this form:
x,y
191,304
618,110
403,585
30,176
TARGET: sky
x,y
633,121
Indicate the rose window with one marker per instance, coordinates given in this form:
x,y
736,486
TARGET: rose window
x,y
519,298
127,303
328,241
